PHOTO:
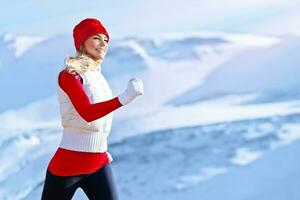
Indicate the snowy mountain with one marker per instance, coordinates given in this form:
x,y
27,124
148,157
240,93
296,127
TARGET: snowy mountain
x,y
184,60
271,72
214,103
42,60
34,73
31,76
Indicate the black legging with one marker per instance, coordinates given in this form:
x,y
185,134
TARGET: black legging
x,y
97,186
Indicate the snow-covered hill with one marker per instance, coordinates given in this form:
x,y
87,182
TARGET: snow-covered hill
x,y
271,72
157,165
32,75
183,60
172,124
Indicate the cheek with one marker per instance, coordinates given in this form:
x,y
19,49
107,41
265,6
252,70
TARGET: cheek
x,y
91,44
94,44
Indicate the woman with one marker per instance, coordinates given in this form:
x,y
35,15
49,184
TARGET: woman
x,y
86,106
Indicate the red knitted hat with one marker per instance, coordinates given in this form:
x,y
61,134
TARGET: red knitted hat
x,y
85,29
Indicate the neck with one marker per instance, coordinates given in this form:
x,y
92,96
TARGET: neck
x,y
98,61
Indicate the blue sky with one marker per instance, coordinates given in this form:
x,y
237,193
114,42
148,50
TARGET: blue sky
x,y
131,18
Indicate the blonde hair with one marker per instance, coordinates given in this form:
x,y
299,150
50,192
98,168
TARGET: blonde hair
x,y
81,62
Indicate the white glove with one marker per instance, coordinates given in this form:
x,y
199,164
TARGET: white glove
x,y
135,88
110,159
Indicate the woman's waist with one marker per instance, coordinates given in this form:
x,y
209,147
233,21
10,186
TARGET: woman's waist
x,y
84,140
70,162
86,130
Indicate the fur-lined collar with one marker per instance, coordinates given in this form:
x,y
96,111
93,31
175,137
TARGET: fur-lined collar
x,y
81,64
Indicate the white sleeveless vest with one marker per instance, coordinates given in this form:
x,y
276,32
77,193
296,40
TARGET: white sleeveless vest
x,y
78,134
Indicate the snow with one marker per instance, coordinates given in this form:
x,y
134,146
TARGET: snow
x,y
138,49
245,156
220,117
248,69
275,176
201,113
205,174
264,129
32,116
202,154
182,148
287,135
8,37
21,44
240,38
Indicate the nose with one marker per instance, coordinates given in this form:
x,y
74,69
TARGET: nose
x,y
102,43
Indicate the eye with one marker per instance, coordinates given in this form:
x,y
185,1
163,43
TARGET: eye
x,y
105,39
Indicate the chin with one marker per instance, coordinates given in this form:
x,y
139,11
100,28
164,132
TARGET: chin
x,y
98,57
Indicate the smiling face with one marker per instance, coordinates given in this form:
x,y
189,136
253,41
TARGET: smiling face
x,y
96,46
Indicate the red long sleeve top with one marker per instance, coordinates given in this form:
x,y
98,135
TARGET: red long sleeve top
x,y
68,162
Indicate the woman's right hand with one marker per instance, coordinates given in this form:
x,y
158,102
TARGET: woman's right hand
x,y
134,88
